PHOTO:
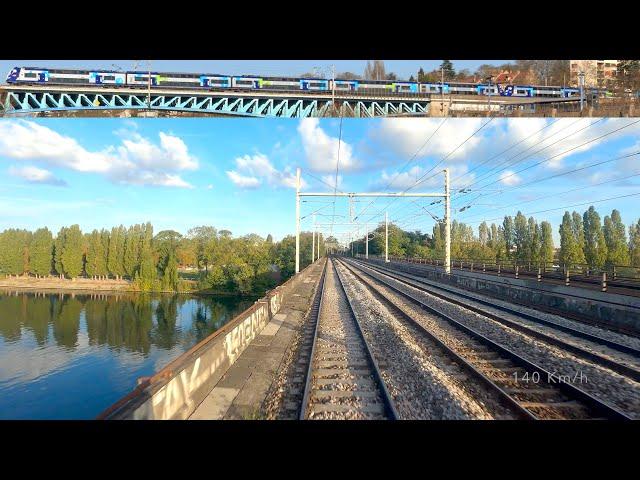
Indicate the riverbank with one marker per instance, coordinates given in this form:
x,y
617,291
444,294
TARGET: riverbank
x,y
108,285
56,283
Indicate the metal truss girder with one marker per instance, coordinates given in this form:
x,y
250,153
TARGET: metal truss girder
x,y
28,101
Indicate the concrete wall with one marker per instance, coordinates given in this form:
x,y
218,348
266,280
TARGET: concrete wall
x,y
175,391
620,312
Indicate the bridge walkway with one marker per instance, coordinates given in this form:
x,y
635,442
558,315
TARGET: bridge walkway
x,y
241,391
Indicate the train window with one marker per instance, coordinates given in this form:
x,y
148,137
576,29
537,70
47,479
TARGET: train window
x,y
30,75
109,77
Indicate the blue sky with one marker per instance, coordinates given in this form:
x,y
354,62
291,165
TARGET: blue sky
x,y
403,68
238,174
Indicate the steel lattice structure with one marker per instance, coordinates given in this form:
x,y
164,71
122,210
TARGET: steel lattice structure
x,y
33,100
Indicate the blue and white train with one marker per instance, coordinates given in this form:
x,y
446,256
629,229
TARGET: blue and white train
x,y
107,78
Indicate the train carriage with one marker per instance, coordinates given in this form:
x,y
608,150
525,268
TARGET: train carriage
x,y
319,84
37,75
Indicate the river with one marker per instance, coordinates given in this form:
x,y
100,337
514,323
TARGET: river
x,y
71,355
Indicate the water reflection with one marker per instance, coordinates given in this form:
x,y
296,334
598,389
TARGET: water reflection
x,y
93,346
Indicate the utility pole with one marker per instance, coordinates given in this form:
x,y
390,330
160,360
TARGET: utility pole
x,y
489,101
333,87
297,220
149,85
581,82
366,251
447,224
442,87
386,237
313,240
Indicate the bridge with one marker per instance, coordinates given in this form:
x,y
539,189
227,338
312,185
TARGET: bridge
x,y
32,99
351,337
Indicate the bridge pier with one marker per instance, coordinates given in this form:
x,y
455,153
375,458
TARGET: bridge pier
x,y
439,107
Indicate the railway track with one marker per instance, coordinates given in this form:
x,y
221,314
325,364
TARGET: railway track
x,y
621,358
343,380
543,308
526,388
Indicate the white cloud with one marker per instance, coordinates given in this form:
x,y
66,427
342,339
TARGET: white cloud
x,y
508,177
252,170
407,135
321,150
433,179
243,181
36,175
137,160
209,187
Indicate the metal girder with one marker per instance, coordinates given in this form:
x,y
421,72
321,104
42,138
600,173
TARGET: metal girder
x,y
25,101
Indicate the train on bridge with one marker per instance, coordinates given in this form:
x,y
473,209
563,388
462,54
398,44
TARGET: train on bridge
x,y
195,81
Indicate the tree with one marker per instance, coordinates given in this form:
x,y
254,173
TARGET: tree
x,y
131,251
375,71
347,76
615,236
14,251
447,68
634,244
116,252
534,241
595,245
570,251
95,264
546,243
147,273
520,238
201,236
170,273
72,256
41,252
578,235
508,233
483,233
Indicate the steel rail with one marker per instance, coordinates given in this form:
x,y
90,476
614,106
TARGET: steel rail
x,y
503,396
389,408
428,287
315,317
596,405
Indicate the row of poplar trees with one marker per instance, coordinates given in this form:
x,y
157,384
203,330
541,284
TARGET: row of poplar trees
x,y
119,253
584,240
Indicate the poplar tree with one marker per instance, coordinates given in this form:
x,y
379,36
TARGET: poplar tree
x,y
595,246
507,231
615,236
95,265
104,240
71,256
533,240
520,234
634,244
546,243
13,250
41,252
570,252
114,257
483,233
131,251
146,274
578,235
57,251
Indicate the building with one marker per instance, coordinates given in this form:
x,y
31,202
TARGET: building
x,y
596,72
